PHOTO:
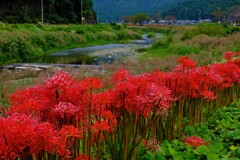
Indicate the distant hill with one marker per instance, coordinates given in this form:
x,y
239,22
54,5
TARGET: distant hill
x,y
113,10
203,9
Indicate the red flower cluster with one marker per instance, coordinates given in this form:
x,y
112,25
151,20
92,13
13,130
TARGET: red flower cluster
x,y
238,53
83,157
141,95
228,55
203,82
22,136
50,117
186,62
194,141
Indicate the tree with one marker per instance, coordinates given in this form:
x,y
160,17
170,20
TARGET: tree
x,y
126,19
156,17
140,18
170,19
218,15
55,11
234,14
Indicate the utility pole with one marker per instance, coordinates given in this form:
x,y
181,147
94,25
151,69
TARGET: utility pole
x,y
42,11
186,13
82,12
199,14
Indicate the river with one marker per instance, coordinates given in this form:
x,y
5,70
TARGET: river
x,y
94,55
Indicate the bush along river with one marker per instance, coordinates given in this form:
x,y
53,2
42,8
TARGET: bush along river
x,y
94,55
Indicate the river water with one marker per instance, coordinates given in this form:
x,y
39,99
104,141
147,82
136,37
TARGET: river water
x,y
96,54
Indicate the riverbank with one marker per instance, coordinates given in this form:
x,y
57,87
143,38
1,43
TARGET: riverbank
x,y
94,55
98,57
21,43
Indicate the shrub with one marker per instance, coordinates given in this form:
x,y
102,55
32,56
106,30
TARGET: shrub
x,y
209,29
163,42
189,34
222,127
105,35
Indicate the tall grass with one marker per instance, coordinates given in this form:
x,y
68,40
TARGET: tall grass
x,y
203,40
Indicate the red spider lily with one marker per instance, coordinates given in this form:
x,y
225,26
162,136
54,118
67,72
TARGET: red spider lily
x,y
186,62
56,117
70,134
159,96
228,71
91,83
121,75
70,131
208,95
83,157
194,141
192,82
101,126
35,102
139,95
101,103
102,100
208,77
66,110
59,80
22,136
52,141
237,53
228,55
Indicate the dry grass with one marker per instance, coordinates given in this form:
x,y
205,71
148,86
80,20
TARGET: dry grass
x,y
214,47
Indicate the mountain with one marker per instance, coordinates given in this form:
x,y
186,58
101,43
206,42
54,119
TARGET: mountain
x,y
203,9
113,10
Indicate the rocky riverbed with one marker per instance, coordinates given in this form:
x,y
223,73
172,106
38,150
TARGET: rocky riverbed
x,y
90,57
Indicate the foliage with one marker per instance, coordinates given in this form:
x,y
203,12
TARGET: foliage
x,y
181,150
210,29
221,135
185,50
222,126
164,42
140,18
201,9
62,11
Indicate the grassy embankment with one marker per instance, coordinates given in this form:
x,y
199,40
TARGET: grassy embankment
x,y
205,43
20,43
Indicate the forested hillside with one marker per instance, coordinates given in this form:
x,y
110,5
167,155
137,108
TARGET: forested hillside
x,y
112,10
55,11
202,9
